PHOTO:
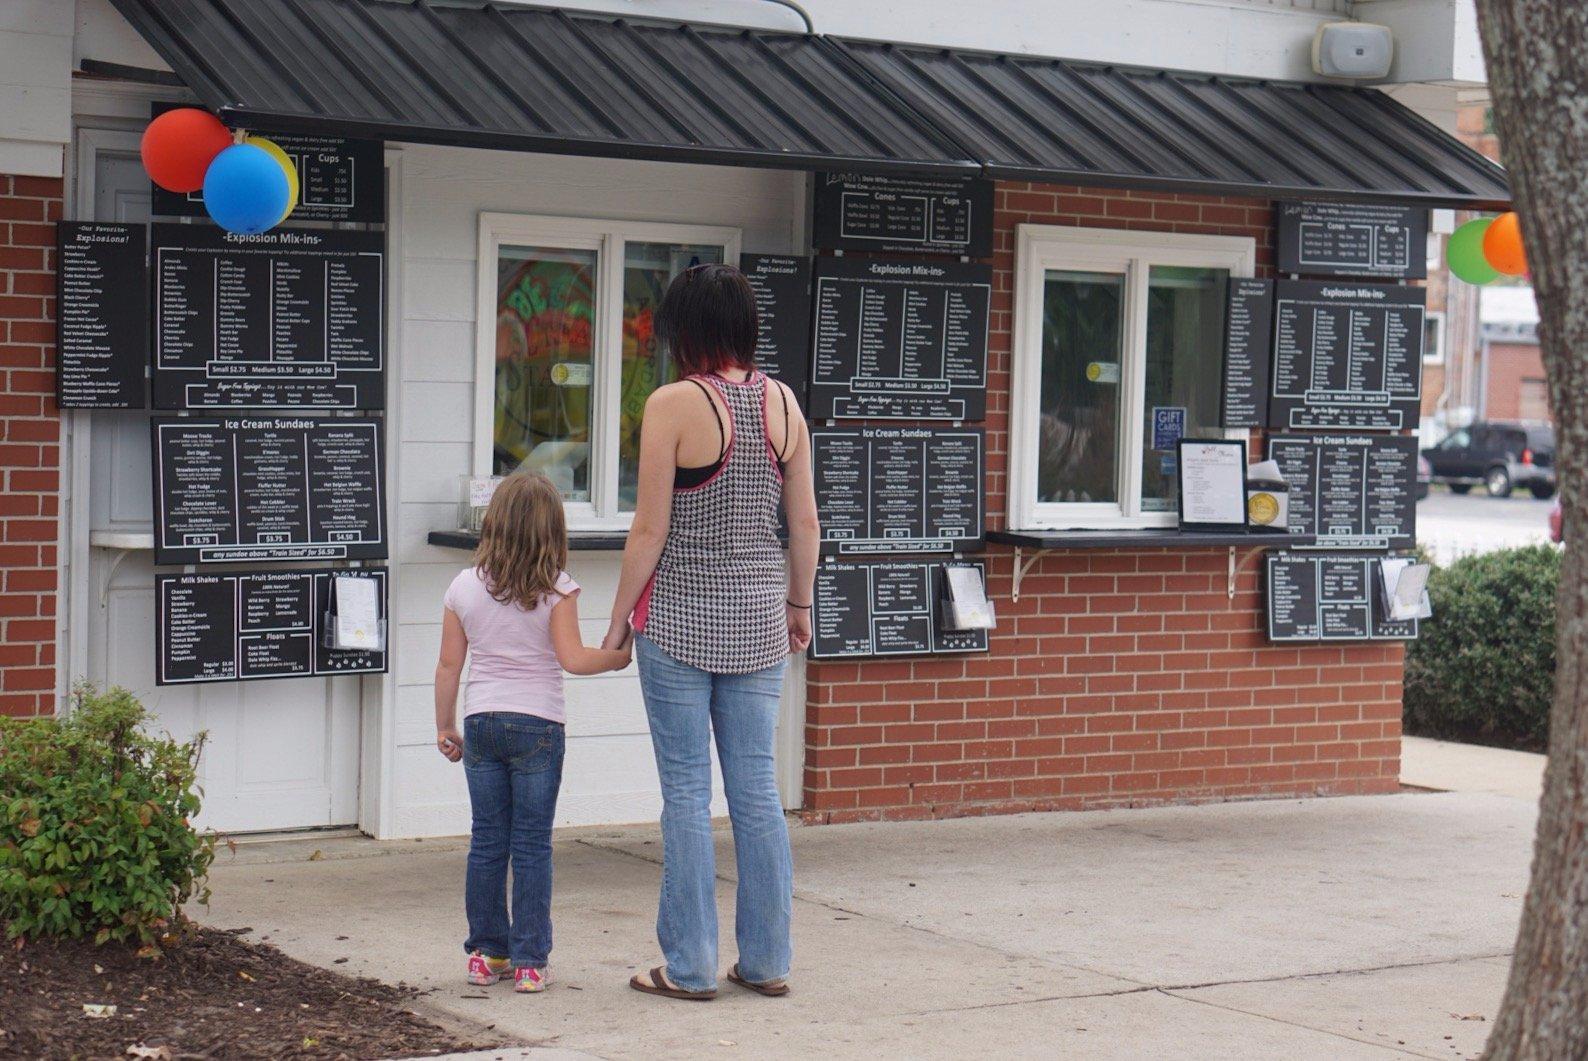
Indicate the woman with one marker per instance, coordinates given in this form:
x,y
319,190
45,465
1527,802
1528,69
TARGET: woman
x,y
714,617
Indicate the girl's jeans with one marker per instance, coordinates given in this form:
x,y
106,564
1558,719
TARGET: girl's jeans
x,y
514,766
687,707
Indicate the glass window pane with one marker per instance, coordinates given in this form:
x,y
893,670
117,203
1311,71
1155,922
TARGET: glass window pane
x,y
647,270
1183,380
545,309
1078,457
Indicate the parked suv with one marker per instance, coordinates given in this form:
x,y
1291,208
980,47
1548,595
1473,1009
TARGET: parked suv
x,y
1499,455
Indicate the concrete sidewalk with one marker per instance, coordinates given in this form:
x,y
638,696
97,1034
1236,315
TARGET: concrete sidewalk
x,y
1364,927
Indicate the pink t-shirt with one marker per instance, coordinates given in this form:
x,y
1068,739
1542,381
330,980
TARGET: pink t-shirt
x,y
512,664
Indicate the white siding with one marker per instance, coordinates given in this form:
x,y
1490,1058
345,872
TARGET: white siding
x,y
609,775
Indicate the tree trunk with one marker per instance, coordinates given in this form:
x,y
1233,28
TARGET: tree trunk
x,y
1537,54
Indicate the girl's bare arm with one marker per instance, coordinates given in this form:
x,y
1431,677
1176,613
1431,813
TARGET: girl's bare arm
x,y
449,671
574,655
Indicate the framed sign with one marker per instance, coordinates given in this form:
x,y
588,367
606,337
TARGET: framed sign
x,y
782,286
1212,483
942,215
102,305
899,339
885,608
252,625
292,318
1352,491
239,489
1347,356
1353,239
899,489
1328,598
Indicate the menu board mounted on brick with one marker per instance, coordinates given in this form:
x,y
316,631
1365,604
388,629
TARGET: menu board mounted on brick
x,y
884,608
1347,356
937,215
1352,491
900,339
260,488
1352,239
103,340
782,286
251,625
1328,598
291,318
1248,346
899,489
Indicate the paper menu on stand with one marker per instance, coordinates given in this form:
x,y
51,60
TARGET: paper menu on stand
x,y
1405,589
358,614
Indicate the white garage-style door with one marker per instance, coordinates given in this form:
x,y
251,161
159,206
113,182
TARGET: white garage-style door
x,y
280,754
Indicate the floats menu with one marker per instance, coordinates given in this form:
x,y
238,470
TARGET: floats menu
x,y
290,318
1347,356
1248,328
1353,239
896,339
268,489
943,215
1328,598
884,608
782,286
882,490
101,285
253,624
1352,491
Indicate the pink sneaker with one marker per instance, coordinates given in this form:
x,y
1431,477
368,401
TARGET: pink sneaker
x,y
483,971
529,981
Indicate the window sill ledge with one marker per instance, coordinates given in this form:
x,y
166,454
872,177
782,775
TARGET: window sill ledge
x,y
1151,537
578,541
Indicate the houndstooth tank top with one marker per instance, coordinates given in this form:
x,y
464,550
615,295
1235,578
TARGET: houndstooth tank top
x,y
716,598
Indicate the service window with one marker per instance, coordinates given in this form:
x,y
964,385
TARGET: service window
x,y
567,352
1119,347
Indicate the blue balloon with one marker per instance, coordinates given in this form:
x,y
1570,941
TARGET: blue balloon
x,y
245,190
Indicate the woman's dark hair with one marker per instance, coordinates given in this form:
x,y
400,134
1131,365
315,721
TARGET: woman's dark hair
x,y
708,320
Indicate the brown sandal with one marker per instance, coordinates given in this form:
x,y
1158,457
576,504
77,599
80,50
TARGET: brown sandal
x,y
771,988
659,986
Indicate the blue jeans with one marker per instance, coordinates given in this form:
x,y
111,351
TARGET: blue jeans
x,y
687,707
514,766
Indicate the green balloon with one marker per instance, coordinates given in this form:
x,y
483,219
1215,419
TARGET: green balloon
x,y
1465,253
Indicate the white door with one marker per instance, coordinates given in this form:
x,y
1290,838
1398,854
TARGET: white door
x,y
280,754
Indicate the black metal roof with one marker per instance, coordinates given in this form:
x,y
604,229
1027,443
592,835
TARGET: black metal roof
x,y
500,76
1043,119
532,79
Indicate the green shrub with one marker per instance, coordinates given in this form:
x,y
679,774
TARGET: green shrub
x,y
1483,667
95,837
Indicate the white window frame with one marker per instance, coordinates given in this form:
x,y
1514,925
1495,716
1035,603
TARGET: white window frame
x,y
1435,319
1039,248
606,238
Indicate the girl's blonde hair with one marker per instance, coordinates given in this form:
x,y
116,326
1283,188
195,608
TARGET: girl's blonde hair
x,y
523,541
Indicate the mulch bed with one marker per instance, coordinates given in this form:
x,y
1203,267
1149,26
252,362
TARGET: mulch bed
x,y
214,995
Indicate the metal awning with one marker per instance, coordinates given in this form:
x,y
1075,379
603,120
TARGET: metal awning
x,y
1069,122
532,79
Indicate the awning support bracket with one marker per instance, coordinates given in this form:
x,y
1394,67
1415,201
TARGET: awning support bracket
x,y
1023,564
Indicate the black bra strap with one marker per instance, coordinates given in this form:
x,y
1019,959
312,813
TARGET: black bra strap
x,y
722,432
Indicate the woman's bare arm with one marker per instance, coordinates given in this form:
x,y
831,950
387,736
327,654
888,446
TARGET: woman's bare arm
x,y
653,508
804,529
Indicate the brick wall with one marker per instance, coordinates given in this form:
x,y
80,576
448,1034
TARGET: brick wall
x,y
1120,677
1514,388
29,444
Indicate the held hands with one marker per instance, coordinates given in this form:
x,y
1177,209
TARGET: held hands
x,y
449,742
799,627
619,638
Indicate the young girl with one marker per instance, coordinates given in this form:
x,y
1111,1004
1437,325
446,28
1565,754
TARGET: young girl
x,y
517,613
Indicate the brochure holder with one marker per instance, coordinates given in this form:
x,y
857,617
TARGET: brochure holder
x,y
965,603
353,625
1402,586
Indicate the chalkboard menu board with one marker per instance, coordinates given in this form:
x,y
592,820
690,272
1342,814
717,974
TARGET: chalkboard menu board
x,y
898,489
884,608
899,339
338,179
239,489
1248,344
290,318
1328,598
1353,492
944,215
1353,239
249,625
782,286
101,297
1347,356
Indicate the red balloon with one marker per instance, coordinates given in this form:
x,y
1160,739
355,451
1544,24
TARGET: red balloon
x,y
179,146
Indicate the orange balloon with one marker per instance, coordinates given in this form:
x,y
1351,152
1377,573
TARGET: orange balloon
x,y
1502,245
